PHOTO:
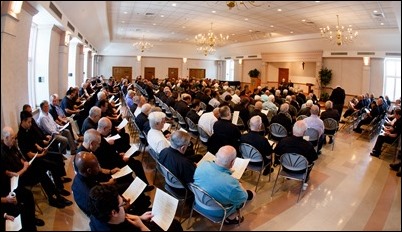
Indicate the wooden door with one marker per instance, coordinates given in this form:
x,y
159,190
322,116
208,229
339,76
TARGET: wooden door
x,y
283,75
173,73
149,73
197,73
122,72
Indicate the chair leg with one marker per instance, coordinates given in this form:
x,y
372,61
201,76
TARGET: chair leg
x,y
273,188
301,189
258,181
189,219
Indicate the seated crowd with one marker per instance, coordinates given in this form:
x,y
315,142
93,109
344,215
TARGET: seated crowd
x,y
82,121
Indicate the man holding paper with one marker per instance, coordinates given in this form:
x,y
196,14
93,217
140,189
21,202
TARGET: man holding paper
x,y
108,213
216,179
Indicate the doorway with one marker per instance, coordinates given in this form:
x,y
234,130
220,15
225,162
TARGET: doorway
x,y
173,73
149,73
283,75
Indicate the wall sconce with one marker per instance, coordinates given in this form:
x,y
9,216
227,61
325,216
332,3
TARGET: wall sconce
x,y
67,38
12,8
240,61
303,65
138,58
184,60
366,61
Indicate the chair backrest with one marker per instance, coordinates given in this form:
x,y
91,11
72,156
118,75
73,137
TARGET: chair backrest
x,y
278,130
204,200
312,134
203,135
330,124
181,119
250,152
294,161
170,179
140,132
191,125
203,106
154,154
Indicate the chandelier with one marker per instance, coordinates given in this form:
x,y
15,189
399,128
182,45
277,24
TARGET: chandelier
x,y
232,4
340,35
143,45
206,43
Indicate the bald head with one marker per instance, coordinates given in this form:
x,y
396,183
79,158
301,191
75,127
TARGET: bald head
x,y
87,164
146,108
299,128
104,126
258,105
225,156
315,110
8,136
92,139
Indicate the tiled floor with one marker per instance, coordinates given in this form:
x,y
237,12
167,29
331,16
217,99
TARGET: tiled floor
x,y
348,190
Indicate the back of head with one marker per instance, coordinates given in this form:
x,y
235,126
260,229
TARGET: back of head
x,y
85,163
299,128
95,112
258,105
103,199
224,112
104,122
225,156
155,117
92,135
255,123
216,112
179,138
328,105
315,110
309,103
146,108
24,115
284,108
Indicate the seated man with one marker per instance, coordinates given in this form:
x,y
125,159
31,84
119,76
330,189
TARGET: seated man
x,y
215,177
88,176
91,122
390,134
108,213
175,161
155,137
255,139
329,113
313,121
296,144
50,127
14,164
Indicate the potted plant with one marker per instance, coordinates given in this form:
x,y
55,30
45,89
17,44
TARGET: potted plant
x,y
325,75
254,73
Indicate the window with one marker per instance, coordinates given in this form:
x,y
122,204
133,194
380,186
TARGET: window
x,y
392,74
229,70
31,66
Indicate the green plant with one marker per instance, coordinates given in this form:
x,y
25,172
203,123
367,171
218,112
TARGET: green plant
x,y
324,97
254,73
325,76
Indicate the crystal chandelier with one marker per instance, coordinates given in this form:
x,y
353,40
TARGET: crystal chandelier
x,y
143,45
340,35
206,43
232,4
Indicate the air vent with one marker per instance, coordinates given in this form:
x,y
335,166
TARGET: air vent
x,y
392,54
55,10
69,25
366,53
240,57
86,42
339,53
79,35
138,29
252,56
149,14
228,58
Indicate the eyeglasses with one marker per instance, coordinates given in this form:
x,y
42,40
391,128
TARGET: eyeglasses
x,y
124,203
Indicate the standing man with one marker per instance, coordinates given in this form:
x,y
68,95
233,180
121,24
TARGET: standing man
x,y
338,98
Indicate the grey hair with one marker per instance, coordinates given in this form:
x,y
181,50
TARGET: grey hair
x,y
179,138
328,105
146,108
95,111
284,108
155,118
255,123
225,156
315,110
101,95
104,122
7,131
91,135
299,128
309,103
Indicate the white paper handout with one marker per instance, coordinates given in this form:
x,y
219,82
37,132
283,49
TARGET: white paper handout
x,y
239,167
235,117
367,110
166,126
200,112
14,225
124,171
131,151
306,137
118,104
265,112
119,108
64,127
14,182
135,189
114,137
164,209
30,162
207,157
50,143
122,124
111,99
184,130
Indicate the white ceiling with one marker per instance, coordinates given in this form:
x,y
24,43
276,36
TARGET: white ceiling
x,y
103,23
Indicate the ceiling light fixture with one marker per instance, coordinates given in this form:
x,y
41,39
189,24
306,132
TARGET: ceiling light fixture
x,y
232,4
340,34
143,45
206,43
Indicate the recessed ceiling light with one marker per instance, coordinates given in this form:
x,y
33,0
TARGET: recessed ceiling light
x,y
375,11
291,32
123,21
154,24
271,26
279,10
382,24
125,12
250,30
173,4
183,27
213,11
303,20
246,19
162,16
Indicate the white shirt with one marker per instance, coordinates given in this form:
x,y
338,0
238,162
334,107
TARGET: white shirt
x,y
156,140
47,124
207,121
214,102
